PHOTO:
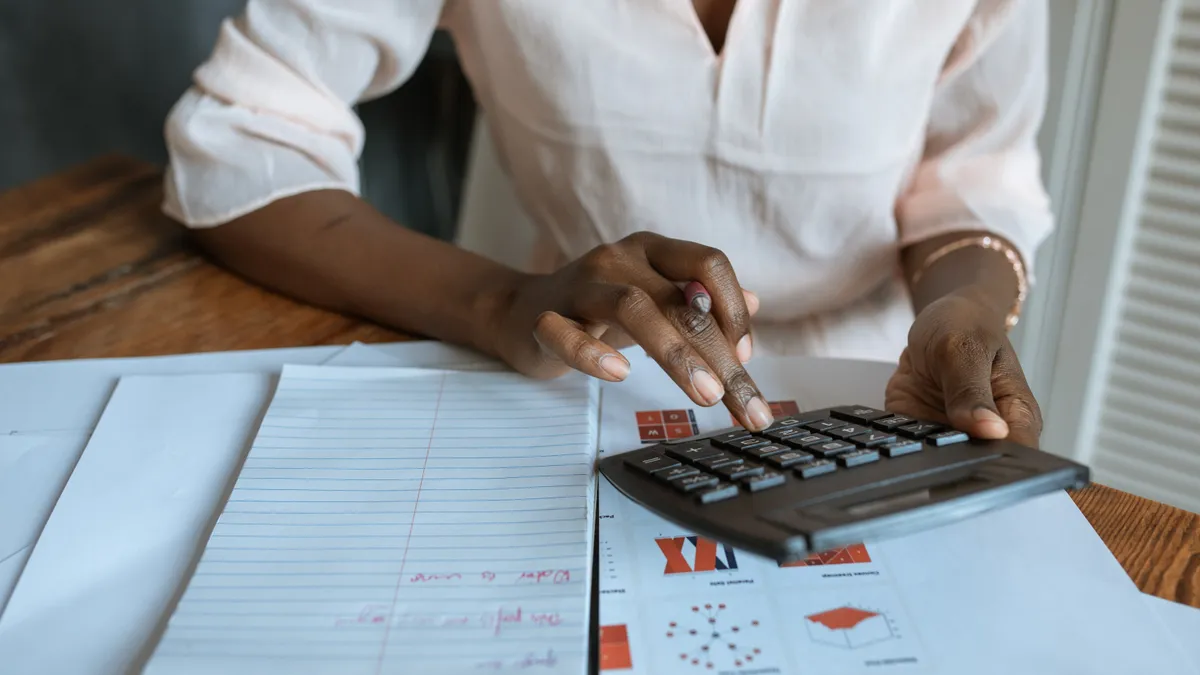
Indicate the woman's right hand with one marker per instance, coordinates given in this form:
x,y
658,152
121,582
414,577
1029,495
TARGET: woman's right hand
x,y
630,292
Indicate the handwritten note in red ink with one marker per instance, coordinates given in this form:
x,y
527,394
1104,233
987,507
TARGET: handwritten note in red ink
x,y
386,522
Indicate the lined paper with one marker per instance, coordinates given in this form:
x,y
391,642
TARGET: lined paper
x,y
391,523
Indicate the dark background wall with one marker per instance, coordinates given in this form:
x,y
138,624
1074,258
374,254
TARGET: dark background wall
x,y
81,78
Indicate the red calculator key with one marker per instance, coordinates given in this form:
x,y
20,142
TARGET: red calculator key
x,y
649,417
652,432
676,417
679,431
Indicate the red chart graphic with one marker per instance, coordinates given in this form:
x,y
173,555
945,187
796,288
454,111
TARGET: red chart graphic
x,y
686,555
614,648
838,556
709,639
656,425
849,627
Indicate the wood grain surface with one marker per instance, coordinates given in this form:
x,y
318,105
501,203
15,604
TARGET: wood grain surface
x,y
90,268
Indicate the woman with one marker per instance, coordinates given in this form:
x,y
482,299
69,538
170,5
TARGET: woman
x,y
868,169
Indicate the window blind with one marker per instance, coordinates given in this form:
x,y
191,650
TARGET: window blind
x,y
1148,435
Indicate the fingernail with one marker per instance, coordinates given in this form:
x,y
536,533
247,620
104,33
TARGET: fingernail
x,y
709,389
990,423
744,349
614,365
759,413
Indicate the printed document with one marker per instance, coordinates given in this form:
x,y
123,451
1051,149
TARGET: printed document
x,y
1026,589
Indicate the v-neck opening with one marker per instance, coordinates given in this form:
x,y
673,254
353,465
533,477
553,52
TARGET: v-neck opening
x,y
714,52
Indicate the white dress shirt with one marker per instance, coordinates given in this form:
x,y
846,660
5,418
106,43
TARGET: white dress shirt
x,y
825,136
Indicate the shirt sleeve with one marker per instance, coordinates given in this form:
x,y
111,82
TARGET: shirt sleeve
x,y
981,167
271,112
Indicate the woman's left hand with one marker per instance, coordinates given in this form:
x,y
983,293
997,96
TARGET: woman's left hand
x,y
960,369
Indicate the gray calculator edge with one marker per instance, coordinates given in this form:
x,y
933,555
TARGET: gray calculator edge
x,y
991,474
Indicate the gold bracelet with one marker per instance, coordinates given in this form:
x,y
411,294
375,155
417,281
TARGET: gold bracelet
x,y
994,244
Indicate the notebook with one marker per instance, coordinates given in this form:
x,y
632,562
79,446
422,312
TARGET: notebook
x,y
385,522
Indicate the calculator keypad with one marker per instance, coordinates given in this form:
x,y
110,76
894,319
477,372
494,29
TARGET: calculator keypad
x,y
651,464
823,426
765,451
718,494
859,414
858,457
818,468
676,473
873,438
696,482
901,448
807,440
892,423
693,452
848,431
718,460
743,443
920,429
787,459
764,481
783,435
736,471
831,448
717,468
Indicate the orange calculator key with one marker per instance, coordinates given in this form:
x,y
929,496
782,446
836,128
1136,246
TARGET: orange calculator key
x,y
649,417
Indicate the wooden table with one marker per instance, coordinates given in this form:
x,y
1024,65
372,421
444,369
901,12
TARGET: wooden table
x,y
89,267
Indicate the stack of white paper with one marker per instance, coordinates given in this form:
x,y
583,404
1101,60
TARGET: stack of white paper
x,y
392,523
1027,589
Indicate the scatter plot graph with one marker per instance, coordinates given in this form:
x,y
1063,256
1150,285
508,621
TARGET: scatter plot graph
x,y
709,637
850,627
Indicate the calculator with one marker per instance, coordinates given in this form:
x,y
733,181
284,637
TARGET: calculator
x,y
831,478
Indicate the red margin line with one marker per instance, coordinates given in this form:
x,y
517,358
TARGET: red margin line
x,y
416,505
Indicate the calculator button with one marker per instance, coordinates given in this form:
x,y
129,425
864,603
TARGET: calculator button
x,y
736,471
693,452
718,494
847,431
817,468
786,459
765,451
807,440
676,473
739,444
892,423
860,414
831,448
785,423
947,438
710,463
763,481
858,457
901,448
920,429
651,464
785,433
730,436
873,438
821,426
693,483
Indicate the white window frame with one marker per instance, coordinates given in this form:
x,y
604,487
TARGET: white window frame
x,y
1073,335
